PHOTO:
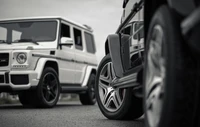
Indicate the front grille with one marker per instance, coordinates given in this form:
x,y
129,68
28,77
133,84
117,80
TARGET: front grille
x,y
1,78
4,59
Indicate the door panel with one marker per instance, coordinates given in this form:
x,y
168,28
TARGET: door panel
x,y
66,64
80,66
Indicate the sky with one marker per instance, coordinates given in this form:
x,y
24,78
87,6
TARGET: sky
x,y
102,15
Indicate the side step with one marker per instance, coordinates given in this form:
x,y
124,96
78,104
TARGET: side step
x,y
127,81
73,89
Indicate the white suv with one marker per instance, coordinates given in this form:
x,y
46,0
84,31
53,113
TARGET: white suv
x,y
43,57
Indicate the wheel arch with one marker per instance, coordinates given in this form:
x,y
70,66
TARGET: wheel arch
x,y
52,64
46,62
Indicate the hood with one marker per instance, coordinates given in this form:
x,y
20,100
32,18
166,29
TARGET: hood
x,y
24,46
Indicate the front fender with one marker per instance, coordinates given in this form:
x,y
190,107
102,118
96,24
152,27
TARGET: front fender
x,y
119,52
41,64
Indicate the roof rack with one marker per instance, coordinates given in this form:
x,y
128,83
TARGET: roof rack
x,y
136,7
88,27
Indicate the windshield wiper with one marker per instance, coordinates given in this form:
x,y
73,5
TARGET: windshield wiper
x,y
28,40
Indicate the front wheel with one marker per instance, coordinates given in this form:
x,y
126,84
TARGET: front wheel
x,y
115,103
170,74
48,89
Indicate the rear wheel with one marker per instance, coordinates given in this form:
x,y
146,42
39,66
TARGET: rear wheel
x,y
170,74
115,103
89,98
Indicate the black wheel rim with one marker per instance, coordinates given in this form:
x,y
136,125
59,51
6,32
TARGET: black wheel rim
x,y
50,87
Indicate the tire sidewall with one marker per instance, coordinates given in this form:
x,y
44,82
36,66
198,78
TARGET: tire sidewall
x,y
172,40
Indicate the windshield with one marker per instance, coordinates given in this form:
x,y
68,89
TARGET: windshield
x,y
37,31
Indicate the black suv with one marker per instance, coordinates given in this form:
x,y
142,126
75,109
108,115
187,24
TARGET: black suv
x,y
164,82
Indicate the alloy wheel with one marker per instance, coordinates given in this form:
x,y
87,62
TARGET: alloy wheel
x,y
111,97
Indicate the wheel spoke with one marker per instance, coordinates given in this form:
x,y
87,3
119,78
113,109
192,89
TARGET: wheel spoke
x,y
107,103
155,82
104,79
116,103
106,96
53,84
52,93
47,95
103,86
118,96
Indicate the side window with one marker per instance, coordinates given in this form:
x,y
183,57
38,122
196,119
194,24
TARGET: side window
x,y
127,30
138,31
78,39
90,43
65,30
3,34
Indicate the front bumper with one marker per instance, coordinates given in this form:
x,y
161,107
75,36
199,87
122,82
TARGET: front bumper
x,y
18,80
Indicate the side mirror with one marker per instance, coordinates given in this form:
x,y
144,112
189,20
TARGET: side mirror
x,y
66,41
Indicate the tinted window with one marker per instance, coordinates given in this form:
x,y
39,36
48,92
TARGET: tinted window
x,y
40,31
78,39
65,30
127,30
90,43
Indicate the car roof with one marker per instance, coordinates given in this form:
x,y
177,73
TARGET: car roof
x,y
86,27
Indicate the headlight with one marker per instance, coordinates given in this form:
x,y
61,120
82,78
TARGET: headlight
x,y
21,58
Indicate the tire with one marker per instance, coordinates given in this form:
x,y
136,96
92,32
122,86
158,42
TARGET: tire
x,y
170,74
24,98
48,90
122,105
89,98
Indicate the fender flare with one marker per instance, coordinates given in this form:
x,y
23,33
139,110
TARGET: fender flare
x,y
41,64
